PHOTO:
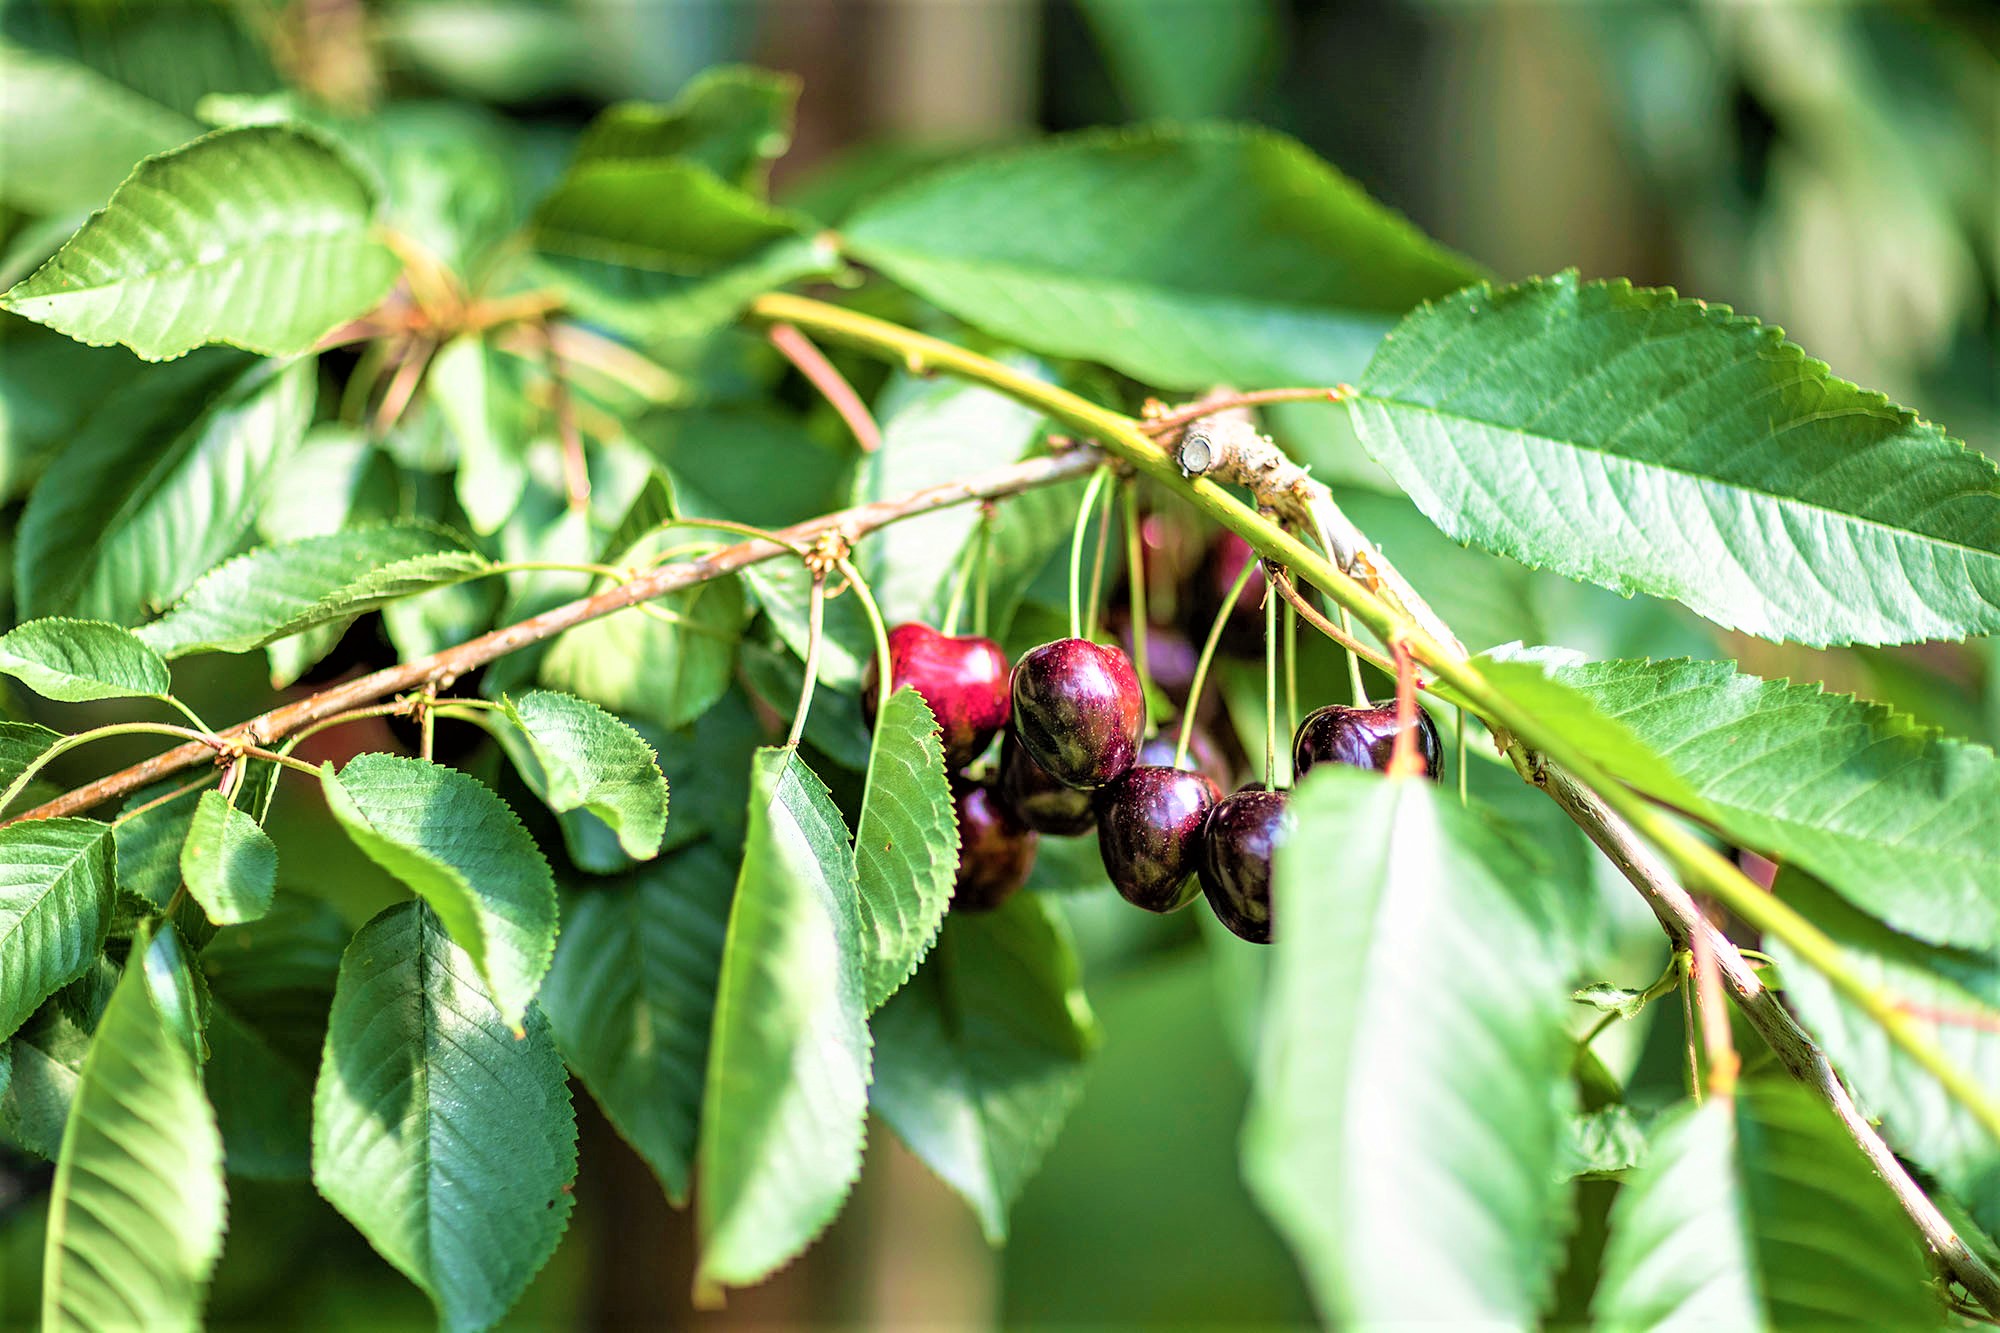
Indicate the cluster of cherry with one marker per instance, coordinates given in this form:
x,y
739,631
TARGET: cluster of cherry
x,y
1074,755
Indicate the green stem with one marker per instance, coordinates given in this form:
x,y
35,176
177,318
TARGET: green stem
x,y
815,623
283,760
1097,571
68,743
1291,673
959,583
1464,782
1207,656
1083,513
1121,437
187,713
1354,680
876,626
983,579
1135,583
341,719
1270,690
198,784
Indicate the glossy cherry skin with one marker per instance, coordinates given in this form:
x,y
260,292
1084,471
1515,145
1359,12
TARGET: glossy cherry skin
x,y
995,850
1036,798
963,679
1078,710
1363,737
1149,832
1238,839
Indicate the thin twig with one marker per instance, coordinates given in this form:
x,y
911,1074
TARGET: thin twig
x,y
463,658
832,385
1169,422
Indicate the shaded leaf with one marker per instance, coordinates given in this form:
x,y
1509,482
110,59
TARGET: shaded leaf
x,y
1625,437
733,119
1854,792
631,996
56,891
1954,995
1606,1142
263,1102
669,673
258,237
160,484
446,1138
229,863
138,1208
579,757
48,1053
480,396
275,591
1413,1072
68,135
979,1059
457,846
785,1106
76,660
1759,1212
906,850
1185,257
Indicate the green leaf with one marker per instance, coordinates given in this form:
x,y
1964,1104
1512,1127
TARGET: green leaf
x,y
782,589
21,744
48,1053
77,660
906,851
457,846
632,994
1954,994
161,483
56,892
1185,61
68,135
733,119
480,396
276,591
1413,1080
446,1138
229,862
979,1059
1759,1212
258,237
263,1101
664,247
1184,257
137,1213
934,432
785,1107
579,757
1604,1143
666,673
1625,437
1894,815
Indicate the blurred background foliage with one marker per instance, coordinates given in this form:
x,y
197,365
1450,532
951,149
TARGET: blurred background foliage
x,y
1833,169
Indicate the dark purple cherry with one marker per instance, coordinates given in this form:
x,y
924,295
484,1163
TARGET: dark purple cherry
x,y
1238,839
1363,737
1149,833
995,850
1078,710
964,680
1170,655
1036,798
1221,565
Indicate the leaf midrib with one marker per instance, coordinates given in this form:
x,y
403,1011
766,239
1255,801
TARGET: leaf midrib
x,y
1782,501
49,889
173,272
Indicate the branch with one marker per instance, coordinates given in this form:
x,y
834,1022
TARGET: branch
x,y
1685,925
442,668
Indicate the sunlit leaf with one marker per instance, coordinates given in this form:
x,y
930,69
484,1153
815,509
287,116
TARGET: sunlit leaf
x,y
576,756
75,660
68,135
56,892
229,863
906,850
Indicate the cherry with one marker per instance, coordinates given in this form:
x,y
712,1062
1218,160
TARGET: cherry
x,y
995,850
1238,838
1221,565
1363,737
1149,826
963,679
1203,756
1036,798
1170,655
1078,710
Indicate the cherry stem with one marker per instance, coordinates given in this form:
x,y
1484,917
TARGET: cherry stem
x,y
1135,584
1097,570
1207,656
1270,688
959,583
821,373
815,622
876,626
1354,680
1291,670
1403,760
1083,512
984,576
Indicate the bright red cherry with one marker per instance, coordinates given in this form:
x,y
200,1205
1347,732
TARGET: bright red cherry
x,y
1238,840
963,679
995,850
1042,803
1149,832
1363,737
1078,710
